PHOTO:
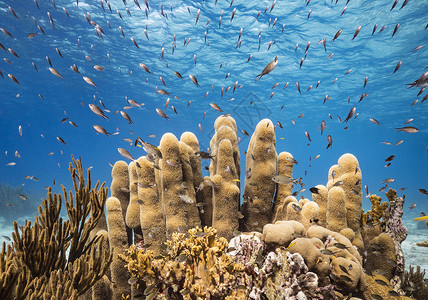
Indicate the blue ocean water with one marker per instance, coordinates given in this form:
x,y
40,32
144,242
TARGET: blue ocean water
x,y
41,100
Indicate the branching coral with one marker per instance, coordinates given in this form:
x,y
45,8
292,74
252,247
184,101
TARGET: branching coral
x,y
414,284
54,258
196,265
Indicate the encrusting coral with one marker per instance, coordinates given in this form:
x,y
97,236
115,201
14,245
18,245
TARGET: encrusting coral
x,y
54,258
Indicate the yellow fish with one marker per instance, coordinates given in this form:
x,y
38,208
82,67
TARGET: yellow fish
x,y
424,218
236,180
291,245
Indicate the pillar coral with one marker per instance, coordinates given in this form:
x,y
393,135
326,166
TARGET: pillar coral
x,y
132,217
178,203
285,167
151,215
259,188
118,244
120,189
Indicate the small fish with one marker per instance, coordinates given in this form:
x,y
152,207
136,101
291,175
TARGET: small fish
x,y
357,31
296,207
135,42
408,129
390,158
13,78
55,72
61,140
423,192
350,114
314,190
412,206
216,107
395,29
96,110
421,218
89,81
5,236
308,136
269,68
22,196
282,179
330,141
6,32
194,80
374,121
101,130
337,34
161,113
327,252
397,66
126,117
144,67
381,282
186,199
125,154
245,132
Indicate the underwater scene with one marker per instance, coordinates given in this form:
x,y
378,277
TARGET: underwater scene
x,y
220,149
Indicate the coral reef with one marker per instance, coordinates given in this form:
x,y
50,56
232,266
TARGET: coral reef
x,y
280,247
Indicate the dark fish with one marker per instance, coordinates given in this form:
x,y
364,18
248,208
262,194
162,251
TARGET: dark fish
x,y
337,34
404,3
381,282
395,29
390,158
412,206
374,29
314,190
330,141
376,297
269,68
397,66
357,31
338,183
245,132
322,126
61,140
423,192
350,114
296,207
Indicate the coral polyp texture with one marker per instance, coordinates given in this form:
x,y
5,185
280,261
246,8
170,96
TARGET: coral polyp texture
x,y
166,229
